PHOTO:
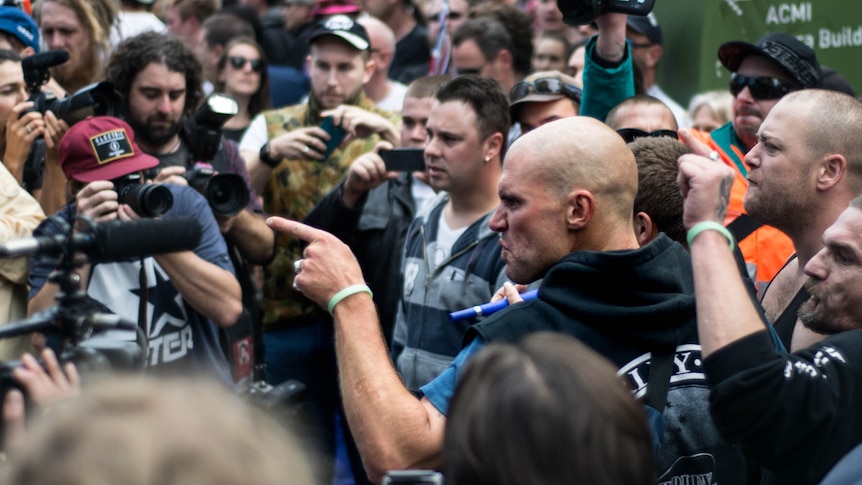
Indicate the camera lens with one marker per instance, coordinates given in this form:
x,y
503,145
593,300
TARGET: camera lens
x,y
148,200
227,194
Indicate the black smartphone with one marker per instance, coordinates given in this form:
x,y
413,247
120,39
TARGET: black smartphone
x,y
404,159
336,135
413,477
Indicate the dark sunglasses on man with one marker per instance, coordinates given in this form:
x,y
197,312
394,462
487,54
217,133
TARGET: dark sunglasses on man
x,y
632,134
238,62
761,87
543,85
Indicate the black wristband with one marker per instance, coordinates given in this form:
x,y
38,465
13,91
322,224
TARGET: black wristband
x,y
266,158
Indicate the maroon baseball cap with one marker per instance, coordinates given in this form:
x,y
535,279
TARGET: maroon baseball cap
x,y
334,7
101,148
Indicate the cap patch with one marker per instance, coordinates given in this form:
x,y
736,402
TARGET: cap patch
x,y
339,22
111,145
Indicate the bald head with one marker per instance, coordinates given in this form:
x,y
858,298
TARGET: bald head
x,y
566,186
382,41
643,112
581,153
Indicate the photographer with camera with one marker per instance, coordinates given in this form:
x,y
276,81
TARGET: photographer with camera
x,y
32,164
179,298
160,79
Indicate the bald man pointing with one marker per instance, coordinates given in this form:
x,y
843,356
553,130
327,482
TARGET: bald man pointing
x,y
565,215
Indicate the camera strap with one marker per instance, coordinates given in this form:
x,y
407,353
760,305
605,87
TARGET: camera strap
x,y
144,299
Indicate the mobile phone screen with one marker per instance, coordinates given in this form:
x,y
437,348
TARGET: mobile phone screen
x,y
404,159
336,135
413,477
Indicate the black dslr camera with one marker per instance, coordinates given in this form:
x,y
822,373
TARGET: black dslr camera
x,y
226,193
580,12
100,99
148,200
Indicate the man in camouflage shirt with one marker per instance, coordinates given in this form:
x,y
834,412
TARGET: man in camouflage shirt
x,y
289,164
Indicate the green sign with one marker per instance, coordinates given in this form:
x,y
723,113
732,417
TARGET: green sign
x,y
833,28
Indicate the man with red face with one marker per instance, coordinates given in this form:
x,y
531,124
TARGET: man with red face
x,y
570,225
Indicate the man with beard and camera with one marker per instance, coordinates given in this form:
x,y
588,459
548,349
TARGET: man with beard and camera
x,y
160,79
178,299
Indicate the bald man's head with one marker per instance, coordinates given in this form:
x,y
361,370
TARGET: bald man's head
x,y
566,186
582,152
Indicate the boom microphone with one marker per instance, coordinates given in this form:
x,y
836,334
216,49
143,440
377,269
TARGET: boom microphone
x,y
116,240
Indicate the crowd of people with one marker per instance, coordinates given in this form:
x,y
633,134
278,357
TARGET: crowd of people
x,y
696,300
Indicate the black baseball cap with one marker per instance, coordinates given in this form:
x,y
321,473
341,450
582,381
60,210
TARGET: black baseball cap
x,y
790,53
344,28
647,26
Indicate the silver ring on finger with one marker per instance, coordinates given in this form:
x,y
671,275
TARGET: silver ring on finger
x,y
29,130
305,149
296,288
714,156
297,266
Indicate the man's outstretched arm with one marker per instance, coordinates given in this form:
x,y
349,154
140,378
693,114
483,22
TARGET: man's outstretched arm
x,y
392,428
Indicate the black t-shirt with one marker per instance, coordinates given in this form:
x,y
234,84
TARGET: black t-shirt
x,y
412,56
794,414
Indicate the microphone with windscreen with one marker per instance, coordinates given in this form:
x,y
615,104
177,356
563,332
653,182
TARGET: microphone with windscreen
x,y
115,240
36,66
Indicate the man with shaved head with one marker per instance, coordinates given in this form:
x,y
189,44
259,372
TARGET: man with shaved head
x,y
565,215
803,172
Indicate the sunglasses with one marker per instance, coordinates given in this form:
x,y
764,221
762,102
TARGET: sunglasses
x,y
469,70
761,87
434,17
632,134
238,62
544,85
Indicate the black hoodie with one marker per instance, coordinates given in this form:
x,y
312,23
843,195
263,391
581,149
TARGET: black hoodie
x,y
624,305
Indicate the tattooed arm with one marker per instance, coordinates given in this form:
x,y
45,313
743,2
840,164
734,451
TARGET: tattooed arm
x,y
725,311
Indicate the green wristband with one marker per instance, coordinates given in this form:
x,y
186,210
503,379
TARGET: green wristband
x,y
709,226
350,290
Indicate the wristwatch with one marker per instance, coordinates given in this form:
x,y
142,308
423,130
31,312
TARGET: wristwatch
x,y
266,158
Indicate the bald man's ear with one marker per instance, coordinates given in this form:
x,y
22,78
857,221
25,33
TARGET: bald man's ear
x,y
645,230
26,52
579,210
369,71
832,169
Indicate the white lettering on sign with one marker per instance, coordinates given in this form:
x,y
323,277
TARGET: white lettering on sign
x,y
788,13
845,37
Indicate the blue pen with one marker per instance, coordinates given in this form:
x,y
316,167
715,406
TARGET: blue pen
x,y
488,308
